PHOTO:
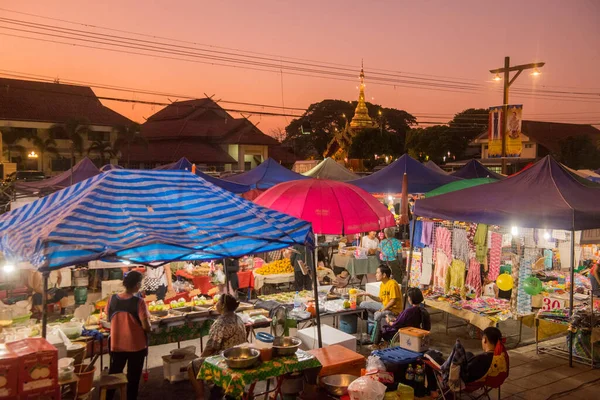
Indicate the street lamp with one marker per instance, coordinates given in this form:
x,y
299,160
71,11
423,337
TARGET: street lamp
x,y
33,154
507,82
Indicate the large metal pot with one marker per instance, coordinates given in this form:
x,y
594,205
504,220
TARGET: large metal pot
x,y
285,345
241,357
337,385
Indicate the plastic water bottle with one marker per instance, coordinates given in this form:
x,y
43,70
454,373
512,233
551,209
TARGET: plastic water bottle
x,y
410,375
420,381
297,300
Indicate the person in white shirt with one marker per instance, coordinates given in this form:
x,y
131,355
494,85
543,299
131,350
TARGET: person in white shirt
x,y
370,242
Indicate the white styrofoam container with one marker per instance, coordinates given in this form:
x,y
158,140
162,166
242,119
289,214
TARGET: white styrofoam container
x,y
175,370
329,335
414,339
373,288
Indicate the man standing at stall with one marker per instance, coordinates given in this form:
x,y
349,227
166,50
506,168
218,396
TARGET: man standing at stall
x,y
302,281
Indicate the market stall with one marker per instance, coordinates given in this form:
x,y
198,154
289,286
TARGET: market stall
x,y
143,217
545,196
331,169
474,170
356,266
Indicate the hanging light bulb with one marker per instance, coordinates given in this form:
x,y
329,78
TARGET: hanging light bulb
x,y
126,262
514,230
497,77
547,235
8,268
390,198
535,72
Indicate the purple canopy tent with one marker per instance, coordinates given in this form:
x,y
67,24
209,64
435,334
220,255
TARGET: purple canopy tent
x,y
474,170
268,174
546,195
83,170
421,179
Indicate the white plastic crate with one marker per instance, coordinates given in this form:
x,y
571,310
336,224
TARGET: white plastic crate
x,y
414,339
175,370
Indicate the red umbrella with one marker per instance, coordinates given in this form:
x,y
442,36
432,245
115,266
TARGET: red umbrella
x,y
333,208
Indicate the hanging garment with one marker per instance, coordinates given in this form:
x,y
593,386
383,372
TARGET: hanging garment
x,y
495,256
414,277
416,236
427,267
474,277
548,259
529,239
481,242
443,241
427,233
441,268
471,229
455,277
506,240
460,245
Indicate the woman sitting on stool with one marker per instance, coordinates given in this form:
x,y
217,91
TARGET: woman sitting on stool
x,y
415,316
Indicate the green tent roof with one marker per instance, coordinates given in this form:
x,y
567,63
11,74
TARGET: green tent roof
x,y
458,185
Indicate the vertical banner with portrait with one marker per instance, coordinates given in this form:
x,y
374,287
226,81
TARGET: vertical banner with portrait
x,y
514,118
494,132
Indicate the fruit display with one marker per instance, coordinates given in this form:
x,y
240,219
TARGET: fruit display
x,y
177,304
202,301
156,306
201,271
283,266
287,297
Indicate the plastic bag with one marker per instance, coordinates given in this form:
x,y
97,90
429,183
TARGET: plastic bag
x,y
375,364
364,388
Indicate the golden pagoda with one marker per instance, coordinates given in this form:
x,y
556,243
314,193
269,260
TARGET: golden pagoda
x,y
361,119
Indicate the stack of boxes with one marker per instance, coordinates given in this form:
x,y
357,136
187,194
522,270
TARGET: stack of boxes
x,y
29,370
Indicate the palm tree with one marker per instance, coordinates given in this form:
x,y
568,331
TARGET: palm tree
x,y
45,146
72,130
128,135
104,149
11,136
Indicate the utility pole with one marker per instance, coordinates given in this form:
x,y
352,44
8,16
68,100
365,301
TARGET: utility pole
x,y
507,82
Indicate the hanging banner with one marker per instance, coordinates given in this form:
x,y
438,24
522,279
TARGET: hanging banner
x,y
494,129
514,117
512,134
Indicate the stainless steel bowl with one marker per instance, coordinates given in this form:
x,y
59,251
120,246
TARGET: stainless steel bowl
x,y
337,385
285,345
241,357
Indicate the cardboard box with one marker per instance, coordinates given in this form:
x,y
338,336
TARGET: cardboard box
x,y
9,373
414,339
175,369
51,393
38,364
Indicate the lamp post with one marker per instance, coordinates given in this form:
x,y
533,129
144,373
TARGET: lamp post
x,y
507,82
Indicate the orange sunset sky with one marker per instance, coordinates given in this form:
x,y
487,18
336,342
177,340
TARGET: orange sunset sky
x,y
431,57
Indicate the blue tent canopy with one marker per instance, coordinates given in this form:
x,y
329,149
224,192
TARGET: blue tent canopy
x,y
433,166
474,170
266,175
185,165
421,179
144,217
545,195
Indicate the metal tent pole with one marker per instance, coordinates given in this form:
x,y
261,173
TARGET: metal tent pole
x,y
316,292
45,276
571,295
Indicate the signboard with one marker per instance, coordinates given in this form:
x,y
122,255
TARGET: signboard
x,y
512,134
550,303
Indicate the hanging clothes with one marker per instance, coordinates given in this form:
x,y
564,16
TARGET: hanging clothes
x,y
548,259
460,245
441,268
506,240
427,233
427,267
455,277
416,235
471,229
495,256
443,241
474,277
481,242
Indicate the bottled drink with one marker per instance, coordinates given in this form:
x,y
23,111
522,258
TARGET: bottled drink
x,y
410,375
420,381
297,300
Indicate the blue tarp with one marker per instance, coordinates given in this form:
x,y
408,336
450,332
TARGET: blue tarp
x,y
185,165
144,216
545,195
475,170
266,175
421,179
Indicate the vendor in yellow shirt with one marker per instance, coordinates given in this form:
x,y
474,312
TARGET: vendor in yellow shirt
x,y
389,302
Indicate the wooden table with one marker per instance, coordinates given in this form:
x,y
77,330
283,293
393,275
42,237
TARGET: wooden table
x,y
337,359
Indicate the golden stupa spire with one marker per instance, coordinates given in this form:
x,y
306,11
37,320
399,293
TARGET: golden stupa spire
x,y
361,117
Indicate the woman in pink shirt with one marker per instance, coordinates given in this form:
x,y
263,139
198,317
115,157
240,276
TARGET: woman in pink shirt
x,y
129,323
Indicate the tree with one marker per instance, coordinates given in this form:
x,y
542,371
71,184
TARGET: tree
x,y
45,146
128,135
104,149
310,134
369,142
578,152
12,136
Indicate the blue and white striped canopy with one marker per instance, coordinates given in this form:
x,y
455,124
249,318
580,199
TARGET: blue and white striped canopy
x,y
144,217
